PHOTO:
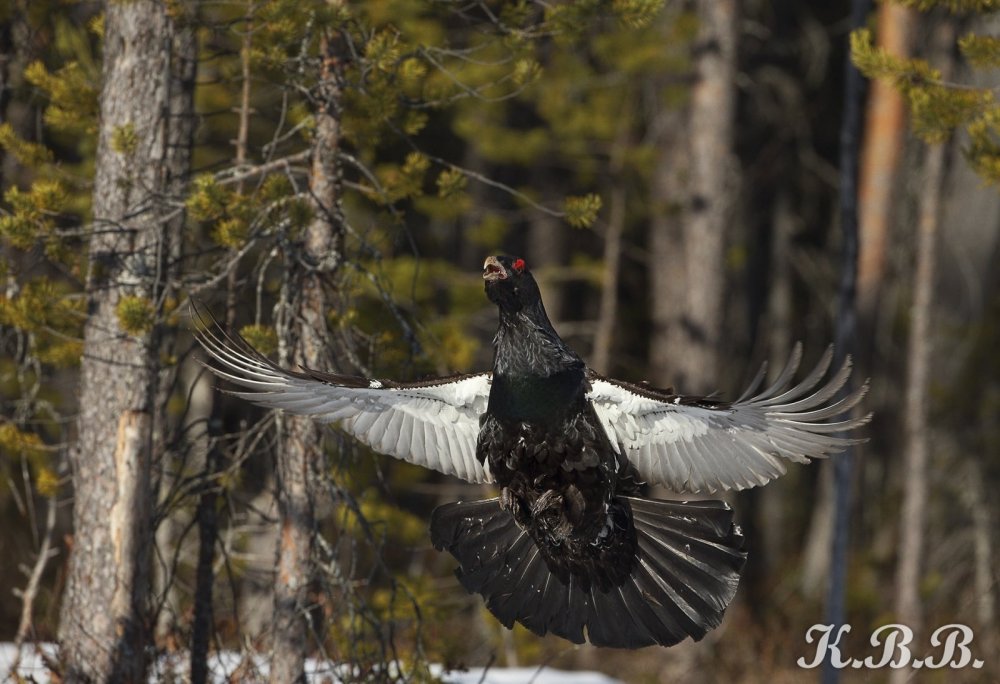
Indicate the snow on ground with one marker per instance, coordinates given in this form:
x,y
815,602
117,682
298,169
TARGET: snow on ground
x,y
524,675
173,667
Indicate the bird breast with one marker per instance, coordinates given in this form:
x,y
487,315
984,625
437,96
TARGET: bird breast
x,y
556,477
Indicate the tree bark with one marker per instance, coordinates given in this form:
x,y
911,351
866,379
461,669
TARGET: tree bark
x,y
885,135
103,631
771,500
916,419
546,248
695,177
203,623
300,453
608,310
980,509
917,436
180,141
202,411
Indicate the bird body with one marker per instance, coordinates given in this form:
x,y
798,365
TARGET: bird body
x,y
570,546
547,451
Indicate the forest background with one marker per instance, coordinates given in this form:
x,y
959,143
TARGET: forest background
x,y
328,178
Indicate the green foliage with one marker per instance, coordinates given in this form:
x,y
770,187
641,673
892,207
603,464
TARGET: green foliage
x,y
571,20
234,218
581,212
41,307
400,181
125,139
26,153
937,108
425,282
490,232
451,182
450,132
136,314
209,199
493,140
636,13
526,71
981,51
263,338
581,108
31,314
876,62
73,107
31,213
405,527
231,232
47,482
983,152
16,444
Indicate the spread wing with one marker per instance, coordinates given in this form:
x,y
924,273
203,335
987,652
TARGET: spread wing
x,y
434,424
695,445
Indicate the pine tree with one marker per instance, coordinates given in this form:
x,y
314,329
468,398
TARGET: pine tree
x,y
353,164
939,109
40,320
103,631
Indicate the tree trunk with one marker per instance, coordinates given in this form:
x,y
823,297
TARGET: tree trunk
x,y
915,416
778,336
180,140
695,176
885,135
103,631
980,508
300,453
916,446
203,622
545,250
608,310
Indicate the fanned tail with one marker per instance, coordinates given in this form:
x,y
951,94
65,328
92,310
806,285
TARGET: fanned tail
x,y
690,558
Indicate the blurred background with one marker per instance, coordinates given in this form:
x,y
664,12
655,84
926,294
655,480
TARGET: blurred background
x,y
327,179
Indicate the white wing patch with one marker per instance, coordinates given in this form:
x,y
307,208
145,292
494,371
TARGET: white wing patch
x,y
434,425
691,445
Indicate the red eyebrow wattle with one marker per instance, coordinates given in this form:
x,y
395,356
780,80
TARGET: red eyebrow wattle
x,y
519,265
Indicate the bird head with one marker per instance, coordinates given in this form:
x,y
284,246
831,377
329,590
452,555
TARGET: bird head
x,y
509,283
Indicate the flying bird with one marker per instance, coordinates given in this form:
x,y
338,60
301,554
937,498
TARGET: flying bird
x,y
571,546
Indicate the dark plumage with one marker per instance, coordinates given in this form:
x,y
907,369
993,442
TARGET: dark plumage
x,y
570,546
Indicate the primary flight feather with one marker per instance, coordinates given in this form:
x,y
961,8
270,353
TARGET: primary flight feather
x,y
570,546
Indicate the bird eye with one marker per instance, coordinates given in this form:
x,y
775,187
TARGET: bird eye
x,y
519,265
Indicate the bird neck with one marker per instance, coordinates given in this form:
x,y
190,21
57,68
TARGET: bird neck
x,y
526,344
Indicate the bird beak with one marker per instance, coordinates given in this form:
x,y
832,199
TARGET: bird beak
x,y
493,270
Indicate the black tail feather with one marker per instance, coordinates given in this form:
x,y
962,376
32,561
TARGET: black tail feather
x,y
690,557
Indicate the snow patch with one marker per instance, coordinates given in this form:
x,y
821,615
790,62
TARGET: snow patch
x,y
223,664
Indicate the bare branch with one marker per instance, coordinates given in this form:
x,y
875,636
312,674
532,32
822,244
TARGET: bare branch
x,y
45,553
